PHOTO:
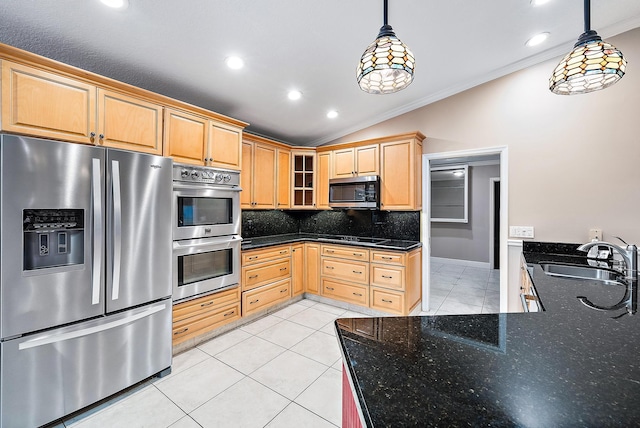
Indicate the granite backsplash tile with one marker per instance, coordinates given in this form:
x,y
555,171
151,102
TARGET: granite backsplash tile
x,y
403,225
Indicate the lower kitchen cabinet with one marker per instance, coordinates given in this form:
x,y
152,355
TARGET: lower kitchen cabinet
x,y
396,280
263,297
297,272
357,294
312,268
198,316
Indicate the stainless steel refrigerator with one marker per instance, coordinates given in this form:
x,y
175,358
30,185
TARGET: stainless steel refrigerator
x,y
85,270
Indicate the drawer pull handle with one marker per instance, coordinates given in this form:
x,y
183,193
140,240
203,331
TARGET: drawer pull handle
x,y
229,313
329,251
386,258
387,276
206,304
175,333
253,257
357,254
284,268
330,288
329,267
284,291
255,301
357,294
283,252
253,276
357,272
387,301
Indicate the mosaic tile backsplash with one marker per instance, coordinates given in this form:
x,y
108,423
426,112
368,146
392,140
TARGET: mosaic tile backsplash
x,y
379,224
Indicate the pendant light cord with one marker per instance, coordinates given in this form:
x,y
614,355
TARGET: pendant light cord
x,y
587,15
386,15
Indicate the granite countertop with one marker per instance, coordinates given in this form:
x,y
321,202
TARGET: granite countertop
x,y
568,366
383,243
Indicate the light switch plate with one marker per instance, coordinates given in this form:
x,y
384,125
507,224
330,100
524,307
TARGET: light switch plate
x,y
595,233
521,231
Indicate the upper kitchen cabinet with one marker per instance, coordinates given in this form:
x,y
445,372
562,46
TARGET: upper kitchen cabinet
x,y
401,172
304,179
258,177
44,104
129,123
356,161
283,179
194,139
322,187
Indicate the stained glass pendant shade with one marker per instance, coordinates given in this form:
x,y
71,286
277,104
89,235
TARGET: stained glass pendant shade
x,y
592,65
387,64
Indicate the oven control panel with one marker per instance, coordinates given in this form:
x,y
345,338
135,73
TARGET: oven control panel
x,y
204,174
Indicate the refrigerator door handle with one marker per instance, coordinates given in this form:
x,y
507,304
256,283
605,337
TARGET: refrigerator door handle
x,y
48,338
97,230
117,229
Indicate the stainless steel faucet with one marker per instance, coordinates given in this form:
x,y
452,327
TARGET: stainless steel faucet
x,y
628,254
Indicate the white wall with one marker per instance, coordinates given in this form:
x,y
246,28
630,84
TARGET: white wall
x,y
468,241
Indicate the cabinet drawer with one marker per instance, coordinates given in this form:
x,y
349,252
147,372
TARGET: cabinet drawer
x,y
206,303
388,257
271,253
204,321
388,276
345,269
263,297
351,293
257,275
345,252
387,300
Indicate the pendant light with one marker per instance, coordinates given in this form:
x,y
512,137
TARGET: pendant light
x,y
387,64
591,65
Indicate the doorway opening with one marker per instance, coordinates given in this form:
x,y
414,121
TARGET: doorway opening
x,y
452,266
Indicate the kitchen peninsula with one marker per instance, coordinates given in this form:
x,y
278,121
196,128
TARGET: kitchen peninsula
x,y
568,366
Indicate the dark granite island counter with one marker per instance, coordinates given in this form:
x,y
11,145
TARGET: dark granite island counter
x,y
568,366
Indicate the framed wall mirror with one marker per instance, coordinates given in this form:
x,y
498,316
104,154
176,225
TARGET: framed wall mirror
x,y
449,194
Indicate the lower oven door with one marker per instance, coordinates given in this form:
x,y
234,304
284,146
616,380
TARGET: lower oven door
x,y
204,265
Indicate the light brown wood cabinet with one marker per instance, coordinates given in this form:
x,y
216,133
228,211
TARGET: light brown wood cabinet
x,y
396,280
312,268
185,137
356,161
345,273
304,179
258,177
322,183
45,104
266,278
401,174
199,316
297,270
225,150
283,180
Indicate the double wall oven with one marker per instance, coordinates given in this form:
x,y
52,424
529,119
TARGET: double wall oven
x,y
206,230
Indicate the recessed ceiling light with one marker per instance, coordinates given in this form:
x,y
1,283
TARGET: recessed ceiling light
x,y
539,2
234,62
116,4
537,39
332,114
294,95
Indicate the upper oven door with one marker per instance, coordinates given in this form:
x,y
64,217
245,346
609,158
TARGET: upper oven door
x,y
202,211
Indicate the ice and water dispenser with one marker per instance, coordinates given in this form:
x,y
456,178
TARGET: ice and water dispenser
x,y
53,238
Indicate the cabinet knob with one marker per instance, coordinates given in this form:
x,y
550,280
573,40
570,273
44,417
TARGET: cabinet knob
x,y
101,136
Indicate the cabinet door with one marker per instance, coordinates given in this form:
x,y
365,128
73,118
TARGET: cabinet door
x,y
129,123
283,184
44,104
367,161
185,137
264,176
398,178
312,272
304,179
297,275
246,176
343,163
225,150
322,189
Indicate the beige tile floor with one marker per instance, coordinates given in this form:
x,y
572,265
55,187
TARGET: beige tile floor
x,y
283,370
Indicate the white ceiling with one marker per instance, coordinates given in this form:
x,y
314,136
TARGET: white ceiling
x,y
177,48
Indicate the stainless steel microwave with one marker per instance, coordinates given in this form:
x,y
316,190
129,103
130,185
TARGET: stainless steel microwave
x,y
355,192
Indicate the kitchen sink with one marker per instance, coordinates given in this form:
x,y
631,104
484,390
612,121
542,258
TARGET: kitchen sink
x,y
606,276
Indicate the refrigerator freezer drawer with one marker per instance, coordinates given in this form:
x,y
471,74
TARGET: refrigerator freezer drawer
x,y
49,375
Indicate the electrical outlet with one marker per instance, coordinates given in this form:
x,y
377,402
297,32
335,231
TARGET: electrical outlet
x,y
521,231
595,234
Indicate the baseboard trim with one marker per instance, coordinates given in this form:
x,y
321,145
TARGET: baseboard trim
x,y
469,263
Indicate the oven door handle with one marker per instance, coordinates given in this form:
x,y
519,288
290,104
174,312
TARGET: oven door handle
x,y
207,186
191,246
